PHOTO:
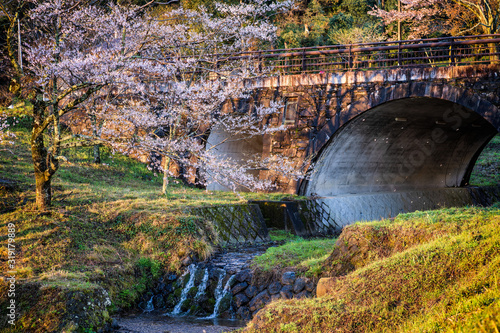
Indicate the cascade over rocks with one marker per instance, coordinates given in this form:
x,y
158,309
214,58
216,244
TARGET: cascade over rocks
x,y
224,287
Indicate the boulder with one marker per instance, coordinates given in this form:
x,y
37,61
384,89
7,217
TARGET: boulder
x,y
251,291
299,285
286,292
244,276
239,287
240,300
207,304
158,302
244,313
259,301
324,286
302,294
225,303
288,278
274,288
310,285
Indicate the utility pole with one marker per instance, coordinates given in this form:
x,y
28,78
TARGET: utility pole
x,y
399,20
20,54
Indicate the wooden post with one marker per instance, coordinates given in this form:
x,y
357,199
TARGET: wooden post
x,y
399,53
349,62
452,53
399,21
304,65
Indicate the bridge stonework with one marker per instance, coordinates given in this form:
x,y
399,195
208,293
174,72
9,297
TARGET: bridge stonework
x,y
448,99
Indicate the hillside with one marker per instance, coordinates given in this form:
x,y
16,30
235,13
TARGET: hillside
x,y
110,227
421,272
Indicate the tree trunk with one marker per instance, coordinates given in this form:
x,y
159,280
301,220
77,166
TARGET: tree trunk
x,y
166,166
493,50
43,162
97,155
42,174
97,152
43,191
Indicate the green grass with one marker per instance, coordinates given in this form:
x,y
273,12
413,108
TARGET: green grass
x,y
110,226
108,213
304,255
120,183
278,235
487,168
446,280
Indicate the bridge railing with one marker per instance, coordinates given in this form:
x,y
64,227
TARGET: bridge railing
x,y
433,52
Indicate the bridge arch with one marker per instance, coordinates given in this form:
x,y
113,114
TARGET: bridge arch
x,y
400,137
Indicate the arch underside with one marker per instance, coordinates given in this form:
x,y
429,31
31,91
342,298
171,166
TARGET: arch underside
x,y
402,145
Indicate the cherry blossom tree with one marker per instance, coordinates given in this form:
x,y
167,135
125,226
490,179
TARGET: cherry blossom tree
x,y
5,135
457,17
158,81
420,17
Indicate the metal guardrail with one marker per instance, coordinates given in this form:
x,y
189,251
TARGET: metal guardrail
x,y
432,52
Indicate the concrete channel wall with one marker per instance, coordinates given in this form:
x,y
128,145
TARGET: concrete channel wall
x,y
249,223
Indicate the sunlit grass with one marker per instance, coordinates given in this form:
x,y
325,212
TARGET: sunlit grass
x,y
304,255
110,225
446,281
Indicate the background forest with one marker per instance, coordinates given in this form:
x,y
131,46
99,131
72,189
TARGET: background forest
x,y
329,22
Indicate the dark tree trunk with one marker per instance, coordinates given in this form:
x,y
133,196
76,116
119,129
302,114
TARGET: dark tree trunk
x,y
97,154
43,162
42,175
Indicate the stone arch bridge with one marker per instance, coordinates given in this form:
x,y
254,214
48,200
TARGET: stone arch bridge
x,y
384,133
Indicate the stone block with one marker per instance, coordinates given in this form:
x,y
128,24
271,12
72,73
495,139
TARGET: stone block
x,y
286,292
275,297
302,294
259,301
240,300
310,285
244,276
244,313
299,285
274,288
239,287
288,278
251,291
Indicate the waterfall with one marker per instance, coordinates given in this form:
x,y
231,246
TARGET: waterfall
x,y
220,293
189,285
203,286
149,306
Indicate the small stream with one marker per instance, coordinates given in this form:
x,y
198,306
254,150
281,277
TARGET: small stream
x,y
159,323
200,300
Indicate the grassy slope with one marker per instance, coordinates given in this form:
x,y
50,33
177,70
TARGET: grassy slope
x,y
109,223
487,168
448,280
304,255
112,211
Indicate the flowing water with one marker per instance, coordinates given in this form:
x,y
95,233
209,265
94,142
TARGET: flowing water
x,y
192,271
203,303
149,307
